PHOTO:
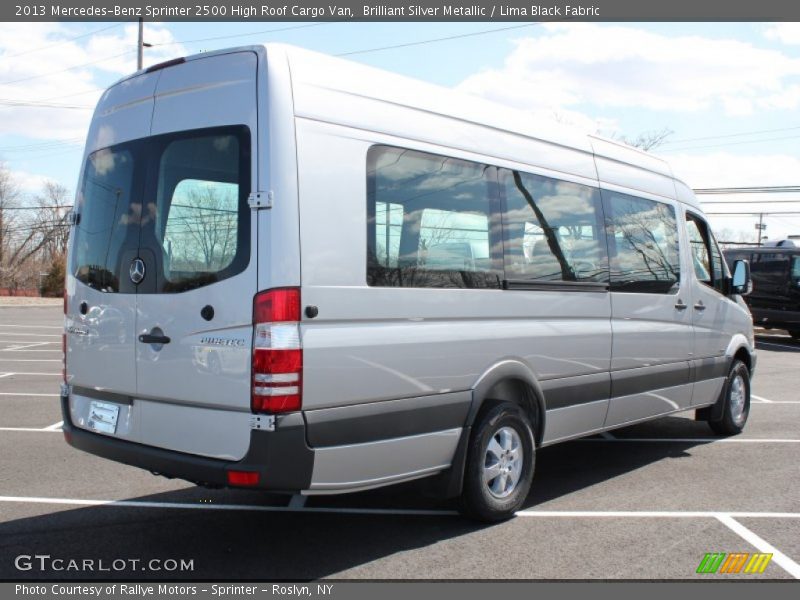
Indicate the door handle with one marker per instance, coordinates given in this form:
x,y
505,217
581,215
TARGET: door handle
x,y
148,338
699,305
679,305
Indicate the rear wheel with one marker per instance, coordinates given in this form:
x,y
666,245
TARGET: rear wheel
x,y
500,462
736,407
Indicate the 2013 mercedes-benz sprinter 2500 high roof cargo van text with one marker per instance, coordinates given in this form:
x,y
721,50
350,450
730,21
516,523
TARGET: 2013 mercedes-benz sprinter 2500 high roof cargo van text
x,y
296,273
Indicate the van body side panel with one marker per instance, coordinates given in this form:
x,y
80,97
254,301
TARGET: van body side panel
x,y
373,344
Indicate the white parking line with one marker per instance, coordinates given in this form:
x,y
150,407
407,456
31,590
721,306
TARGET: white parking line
x,y
761,545
31,429
2,360
29,394
698,439
33,326
53,374
55,426
55,335
6,375
235,507
26,345
532,513
760,398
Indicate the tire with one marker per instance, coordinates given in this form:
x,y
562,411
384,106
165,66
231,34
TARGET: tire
x,y
500,433
795,333
736,403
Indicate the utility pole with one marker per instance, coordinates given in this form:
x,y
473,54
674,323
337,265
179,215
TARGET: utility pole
x,y
760,227
140,46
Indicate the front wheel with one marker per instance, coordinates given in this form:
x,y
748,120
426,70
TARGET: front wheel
x,y
500,462
736,407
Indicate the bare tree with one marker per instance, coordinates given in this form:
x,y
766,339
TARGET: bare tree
x,y
647,140
9,196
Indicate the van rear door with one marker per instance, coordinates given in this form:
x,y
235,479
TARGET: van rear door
x,y
198,245
100,320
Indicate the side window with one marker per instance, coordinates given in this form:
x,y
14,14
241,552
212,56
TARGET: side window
x,y
643,240
201,217
552,230
430,221
796,268
709,266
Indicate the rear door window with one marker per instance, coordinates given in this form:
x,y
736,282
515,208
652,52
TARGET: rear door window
x,y
108,209
178,201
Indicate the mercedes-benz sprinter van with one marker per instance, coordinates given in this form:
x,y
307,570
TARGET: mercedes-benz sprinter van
x,y
296,273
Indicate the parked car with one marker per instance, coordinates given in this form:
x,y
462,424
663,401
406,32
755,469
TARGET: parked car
x,y
775,271
409,282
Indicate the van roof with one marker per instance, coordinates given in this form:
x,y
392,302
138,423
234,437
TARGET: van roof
x,y
357,79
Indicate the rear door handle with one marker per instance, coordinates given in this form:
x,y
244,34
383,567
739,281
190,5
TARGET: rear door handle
x,y
680,305
700,306
147,338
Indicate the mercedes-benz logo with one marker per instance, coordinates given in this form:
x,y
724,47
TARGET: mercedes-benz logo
x,y
137,270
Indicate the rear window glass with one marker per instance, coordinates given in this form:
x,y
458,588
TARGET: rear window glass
x,y
194,228
108,218
201,207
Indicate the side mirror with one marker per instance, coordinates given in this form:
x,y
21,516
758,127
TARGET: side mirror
x,y
741,283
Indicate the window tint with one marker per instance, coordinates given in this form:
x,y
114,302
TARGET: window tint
x,y
706,256
202,217
429,221
552,230
643,238
796,268
107,216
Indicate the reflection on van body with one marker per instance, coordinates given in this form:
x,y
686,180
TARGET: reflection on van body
x,y
312,276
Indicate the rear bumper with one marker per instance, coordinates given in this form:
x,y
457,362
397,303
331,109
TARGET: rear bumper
x,y
281,457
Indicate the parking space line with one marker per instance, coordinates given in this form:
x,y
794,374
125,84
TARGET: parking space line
x,y
30,360
614,514
25,346
760,398
29,394
5,375
32,326
761,544
31,429
55,335
233,507
53,374
707,439
55,426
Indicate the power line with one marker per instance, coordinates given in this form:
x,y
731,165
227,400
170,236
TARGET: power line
x,y
30,104
47,145
66,41
441,39
238,35
777,139
730,135
73,67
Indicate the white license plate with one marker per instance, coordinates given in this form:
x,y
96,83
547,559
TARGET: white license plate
x,y
103,416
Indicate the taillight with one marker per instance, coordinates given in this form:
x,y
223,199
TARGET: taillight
x,y
277,377
243,478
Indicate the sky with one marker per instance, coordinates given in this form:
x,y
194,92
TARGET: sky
x,y
728,92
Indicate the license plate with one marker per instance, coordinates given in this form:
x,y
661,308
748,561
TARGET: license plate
x,y
103,416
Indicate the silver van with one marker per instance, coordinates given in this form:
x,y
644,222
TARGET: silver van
x,y
296,273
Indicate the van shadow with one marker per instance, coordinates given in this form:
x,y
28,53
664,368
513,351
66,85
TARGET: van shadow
x,y
257,545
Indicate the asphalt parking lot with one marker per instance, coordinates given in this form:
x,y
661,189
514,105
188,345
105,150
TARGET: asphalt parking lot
x,y
648,501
